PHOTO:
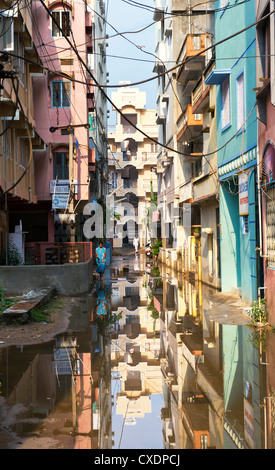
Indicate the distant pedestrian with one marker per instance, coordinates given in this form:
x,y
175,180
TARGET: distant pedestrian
x,y
136,243
100,254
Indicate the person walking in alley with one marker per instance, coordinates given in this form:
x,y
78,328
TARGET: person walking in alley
x,y
136,243
100,254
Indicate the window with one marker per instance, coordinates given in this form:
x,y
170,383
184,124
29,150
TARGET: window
x,y
240,101
270,223
225,103
7,33
24,152
63,26
61,94
60,165
114,179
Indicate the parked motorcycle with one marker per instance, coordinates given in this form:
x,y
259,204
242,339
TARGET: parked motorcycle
x,y
148,250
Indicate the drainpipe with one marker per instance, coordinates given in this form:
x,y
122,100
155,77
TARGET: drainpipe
x,y
189,17
267,411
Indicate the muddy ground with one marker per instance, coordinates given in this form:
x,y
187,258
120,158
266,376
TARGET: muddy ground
x,y
33,332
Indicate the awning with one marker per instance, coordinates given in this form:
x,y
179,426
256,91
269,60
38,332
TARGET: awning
x,y
217,76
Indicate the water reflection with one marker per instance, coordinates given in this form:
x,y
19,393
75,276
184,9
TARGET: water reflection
x,y
151,361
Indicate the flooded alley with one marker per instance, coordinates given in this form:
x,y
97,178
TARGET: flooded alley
x,y
149,361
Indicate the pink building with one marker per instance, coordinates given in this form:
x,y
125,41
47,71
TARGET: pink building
x,y
266,144
62,98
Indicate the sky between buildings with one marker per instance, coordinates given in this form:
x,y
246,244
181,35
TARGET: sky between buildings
x,y
125,18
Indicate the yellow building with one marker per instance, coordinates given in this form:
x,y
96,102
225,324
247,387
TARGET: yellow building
x,y
132,159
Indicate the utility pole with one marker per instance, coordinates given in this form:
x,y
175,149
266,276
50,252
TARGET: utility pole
x,y
71,189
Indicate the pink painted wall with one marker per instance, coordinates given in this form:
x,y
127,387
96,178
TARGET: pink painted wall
x,y
266,133
45,115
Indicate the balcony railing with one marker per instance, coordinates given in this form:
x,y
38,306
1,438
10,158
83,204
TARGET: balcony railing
x,y
193,47
193,44
40,253
189,120
200,90
123,158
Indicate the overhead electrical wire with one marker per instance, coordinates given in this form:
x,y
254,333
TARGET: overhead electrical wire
x,y
178,65
101,87
176,13
163,145
183,14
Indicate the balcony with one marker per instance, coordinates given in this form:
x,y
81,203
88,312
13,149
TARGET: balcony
x,y
162,104
200,96
189,124
159,9
139,160
193,57
163,161
200,93
159,66
90,97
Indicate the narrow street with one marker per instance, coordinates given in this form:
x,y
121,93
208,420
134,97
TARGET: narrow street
x,y
149,361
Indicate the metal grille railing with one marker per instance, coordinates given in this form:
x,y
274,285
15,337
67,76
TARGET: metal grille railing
x,y
46,253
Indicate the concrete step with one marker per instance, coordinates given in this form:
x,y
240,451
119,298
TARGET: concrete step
x,y
21,311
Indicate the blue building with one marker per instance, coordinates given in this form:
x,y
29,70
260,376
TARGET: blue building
x,y
235,77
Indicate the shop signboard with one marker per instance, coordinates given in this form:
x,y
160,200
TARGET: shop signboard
x,y
249,423
243,194
60,201
62,186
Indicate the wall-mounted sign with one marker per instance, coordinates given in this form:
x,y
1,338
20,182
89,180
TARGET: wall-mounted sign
x,y
243,194
62,186
60,201
249,423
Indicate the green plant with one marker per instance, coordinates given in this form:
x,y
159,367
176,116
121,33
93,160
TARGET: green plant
x,y
258,312
156,247
14,258
116,216
40,316
5,302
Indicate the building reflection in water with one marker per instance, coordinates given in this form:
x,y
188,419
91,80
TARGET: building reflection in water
x,y
145,337
135,351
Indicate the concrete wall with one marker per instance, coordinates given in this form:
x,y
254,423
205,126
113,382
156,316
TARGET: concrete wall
x,y
68,279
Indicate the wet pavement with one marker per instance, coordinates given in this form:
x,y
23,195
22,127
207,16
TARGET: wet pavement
x,y
149,361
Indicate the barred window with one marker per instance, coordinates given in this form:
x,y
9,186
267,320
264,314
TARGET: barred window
x,y
61,94
61,23
270,225
61,165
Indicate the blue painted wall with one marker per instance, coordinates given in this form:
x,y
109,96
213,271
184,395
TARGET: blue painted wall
x,y
238,254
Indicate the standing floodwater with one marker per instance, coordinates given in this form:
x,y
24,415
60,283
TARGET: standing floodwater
x,y
149,361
